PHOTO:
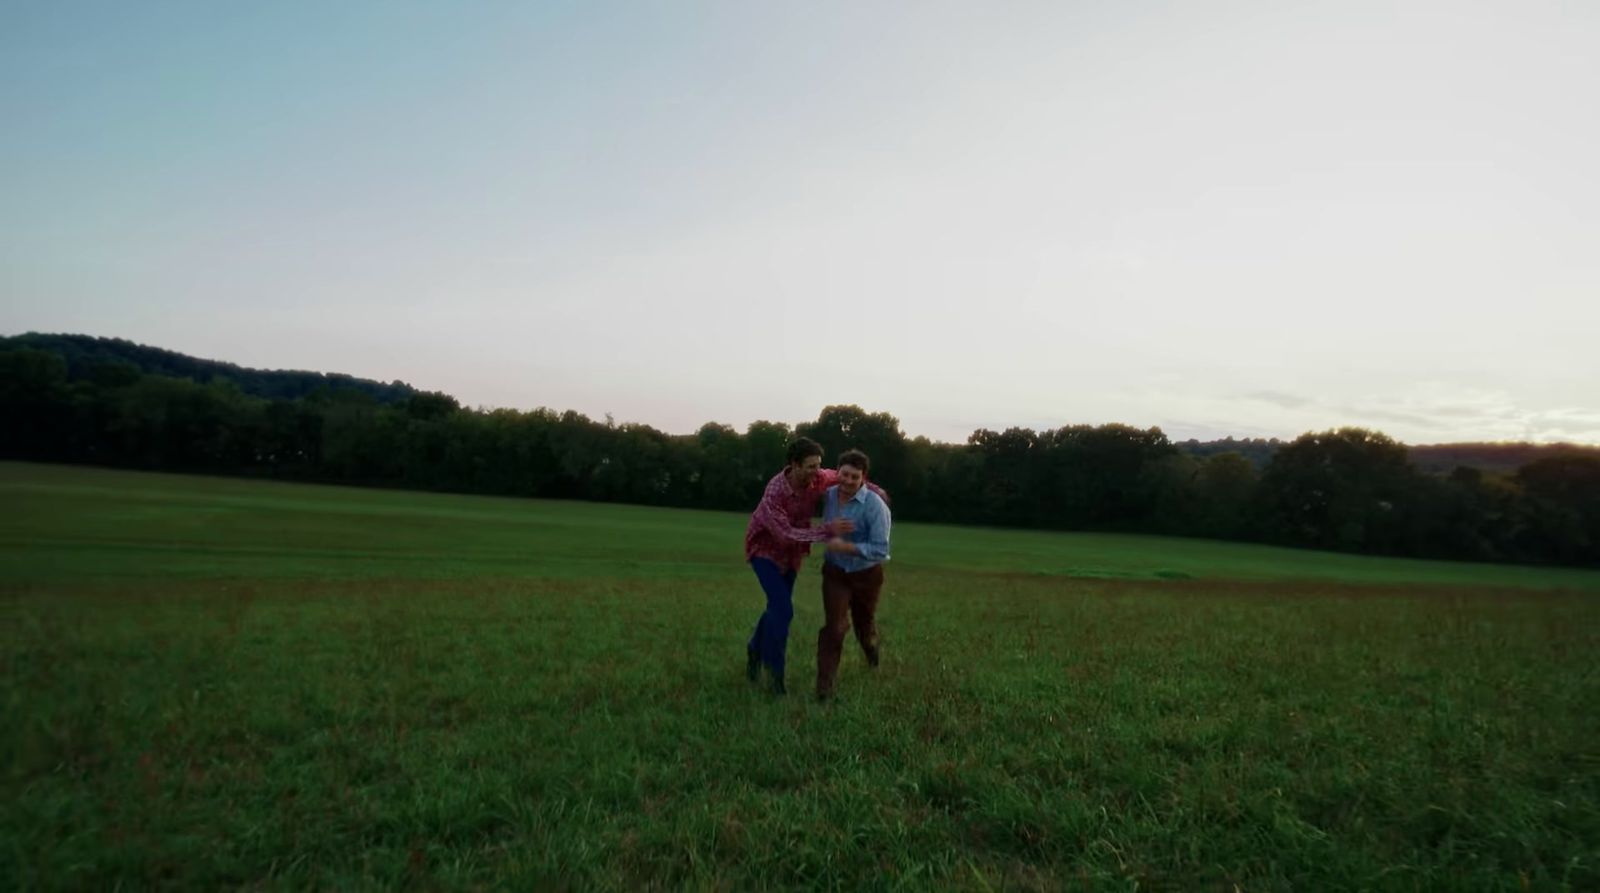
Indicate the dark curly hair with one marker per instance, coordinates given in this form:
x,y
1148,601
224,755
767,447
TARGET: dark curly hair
x,y
802,448
855,459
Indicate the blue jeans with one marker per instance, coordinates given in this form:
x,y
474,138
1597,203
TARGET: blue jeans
x,y
771,639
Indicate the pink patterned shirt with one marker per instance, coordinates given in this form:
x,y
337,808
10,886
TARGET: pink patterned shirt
x,y
780,528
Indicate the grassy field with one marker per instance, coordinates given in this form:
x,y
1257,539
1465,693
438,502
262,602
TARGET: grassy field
x,y
214,683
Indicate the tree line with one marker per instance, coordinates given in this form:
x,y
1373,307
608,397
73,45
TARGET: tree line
x,y
1349,489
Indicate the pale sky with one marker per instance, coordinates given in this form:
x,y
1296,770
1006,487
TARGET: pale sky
x,y
1254,219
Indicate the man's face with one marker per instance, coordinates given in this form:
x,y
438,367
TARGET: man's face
x,y
850,478
807,469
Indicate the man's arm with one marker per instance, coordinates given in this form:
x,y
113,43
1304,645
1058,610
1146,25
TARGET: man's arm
x,y
771,517
830,476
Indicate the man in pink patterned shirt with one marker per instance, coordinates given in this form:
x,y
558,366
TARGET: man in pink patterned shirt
x,y
777,542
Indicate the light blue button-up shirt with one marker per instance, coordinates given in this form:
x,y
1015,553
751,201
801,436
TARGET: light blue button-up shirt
x,y
871,516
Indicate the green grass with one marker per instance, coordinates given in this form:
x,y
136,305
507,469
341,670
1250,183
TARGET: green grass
x,y
219,683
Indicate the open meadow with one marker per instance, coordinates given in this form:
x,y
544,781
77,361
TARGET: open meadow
x,y
212,683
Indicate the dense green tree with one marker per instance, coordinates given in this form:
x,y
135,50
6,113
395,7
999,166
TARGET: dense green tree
x,y
34,403
1224,488
1343,489
1104,476
1007,489
768,443
725,465
428,406
878,434
1564,508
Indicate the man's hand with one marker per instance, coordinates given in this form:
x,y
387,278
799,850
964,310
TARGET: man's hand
x,y
843,546
840,525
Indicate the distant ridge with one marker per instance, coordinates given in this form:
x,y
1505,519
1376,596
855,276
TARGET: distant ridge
x,y
1438,458
1442,458
84,353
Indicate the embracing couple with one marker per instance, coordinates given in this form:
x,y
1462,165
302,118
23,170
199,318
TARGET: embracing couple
x,y
855,529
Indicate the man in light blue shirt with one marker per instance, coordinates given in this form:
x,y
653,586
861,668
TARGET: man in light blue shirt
x,y
852,571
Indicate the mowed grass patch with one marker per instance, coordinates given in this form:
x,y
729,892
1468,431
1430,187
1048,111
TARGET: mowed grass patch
x,y
306,715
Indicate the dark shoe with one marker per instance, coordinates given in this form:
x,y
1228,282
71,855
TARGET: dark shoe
x,y
824,697
752,664
777,686
872,655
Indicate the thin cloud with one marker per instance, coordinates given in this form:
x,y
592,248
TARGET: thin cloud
x,y
1278,398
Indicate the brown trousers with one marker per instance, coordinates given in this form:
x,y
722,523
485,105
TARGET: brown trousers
x,y
846,597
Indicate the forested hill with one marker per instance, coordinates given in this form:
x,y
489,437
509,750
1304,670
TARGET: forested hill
x,y
88,356
1495,458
